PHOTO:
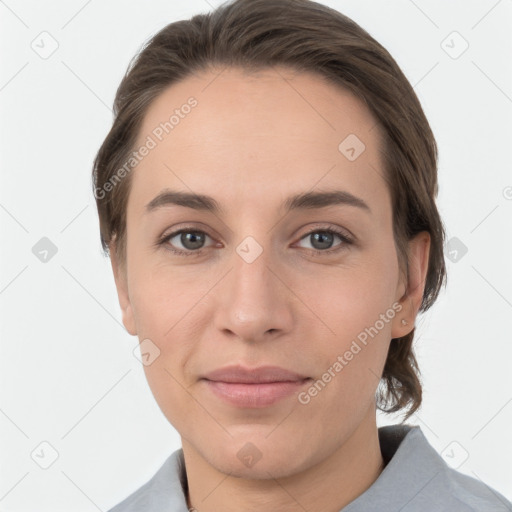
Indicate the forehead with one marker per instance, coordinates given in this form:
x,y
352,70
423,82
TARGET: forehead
x,y
266,131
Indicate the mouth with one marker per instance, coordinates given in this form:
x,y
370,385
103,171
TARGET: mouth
x,y
254,388
254,395
257,375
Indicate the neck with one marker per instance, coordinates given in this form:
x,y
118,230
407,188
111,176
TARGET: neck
x,y
326,486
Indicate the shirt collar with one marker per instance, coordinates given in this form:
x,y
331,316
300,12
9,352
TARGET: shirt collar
x,y
412,464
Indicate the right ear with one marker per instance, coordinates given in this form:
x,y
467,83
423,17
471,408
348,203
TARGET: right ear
x,y
120,277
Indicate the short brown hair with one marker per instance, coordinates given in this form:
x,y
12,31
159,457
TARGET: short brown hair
x,y
309,37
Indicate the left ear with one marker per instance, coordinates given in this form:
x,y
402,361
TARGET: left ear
x,y
419,248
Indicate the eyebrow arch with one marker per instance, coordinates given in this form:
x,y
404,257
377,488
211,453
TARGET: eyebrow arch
x,y
306,200
312,200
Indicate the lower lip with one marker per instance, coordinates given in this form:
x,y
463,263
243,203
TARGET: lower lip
x,y
254,395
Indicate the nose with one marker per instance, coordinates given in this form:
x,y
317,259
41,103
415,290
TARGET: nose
x,y
254,301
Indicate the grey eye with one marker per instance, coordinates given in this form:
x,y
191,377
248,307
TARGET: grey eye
x,y
321,239
190,240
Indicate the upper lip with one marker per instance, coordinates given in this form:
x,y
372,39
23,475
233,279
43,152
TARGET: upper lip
x,y
253,375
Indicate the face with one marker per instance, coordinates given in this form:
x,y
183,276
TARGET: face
x,y
262,279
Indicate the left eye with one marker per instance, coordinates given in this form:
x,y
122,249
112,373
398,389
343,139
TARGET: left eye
x,y
322,239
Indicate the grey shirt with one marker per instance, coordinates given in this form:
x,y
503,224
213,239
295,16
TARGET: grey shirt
x,y
415,479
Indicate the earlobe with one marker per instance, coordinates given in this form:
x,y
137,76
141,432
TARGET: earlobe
x,y
121,281
419,250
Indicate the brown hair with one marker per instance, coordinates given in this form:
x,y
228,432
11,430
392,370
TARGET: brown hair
x,y
309,37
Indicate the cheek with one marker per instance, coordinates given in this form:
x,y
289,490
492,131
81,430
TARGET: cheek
x,y
350,362
353,299
357,313
163,303
170,394
161,297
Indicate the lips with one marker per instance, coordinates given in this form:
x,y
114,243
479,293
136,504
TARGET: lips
x,y
254,388
262,374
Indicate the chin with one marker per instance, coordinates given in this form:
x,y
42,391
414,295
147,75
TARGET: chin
x,y
255,454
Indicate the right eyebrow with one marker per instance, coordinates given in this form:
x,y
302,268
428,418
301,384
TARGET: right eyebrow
x,y
187,199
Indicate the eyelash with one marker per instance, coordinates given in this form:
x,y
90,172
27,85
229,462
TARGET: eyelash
x,y
347,241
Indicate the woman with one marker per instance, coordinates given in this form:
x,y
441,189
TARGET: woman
x,y
267,198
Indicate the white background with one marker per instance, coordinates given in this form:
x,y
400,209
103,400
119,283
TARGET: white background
x,y
68,374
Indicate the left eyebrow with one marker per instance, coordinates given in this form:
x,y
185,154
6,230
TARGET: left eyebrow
x,y
305,200
312,200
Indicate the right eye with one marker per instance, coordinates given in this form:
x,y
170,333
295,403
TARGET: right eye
x,y
191,240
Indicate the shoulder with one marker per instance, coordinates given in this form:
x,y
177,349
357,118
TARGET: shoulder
x,y
417,478
472,495
446,489
163,492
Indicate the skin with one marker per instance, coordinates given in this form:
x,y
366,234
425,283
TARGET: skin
x,y
253,140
